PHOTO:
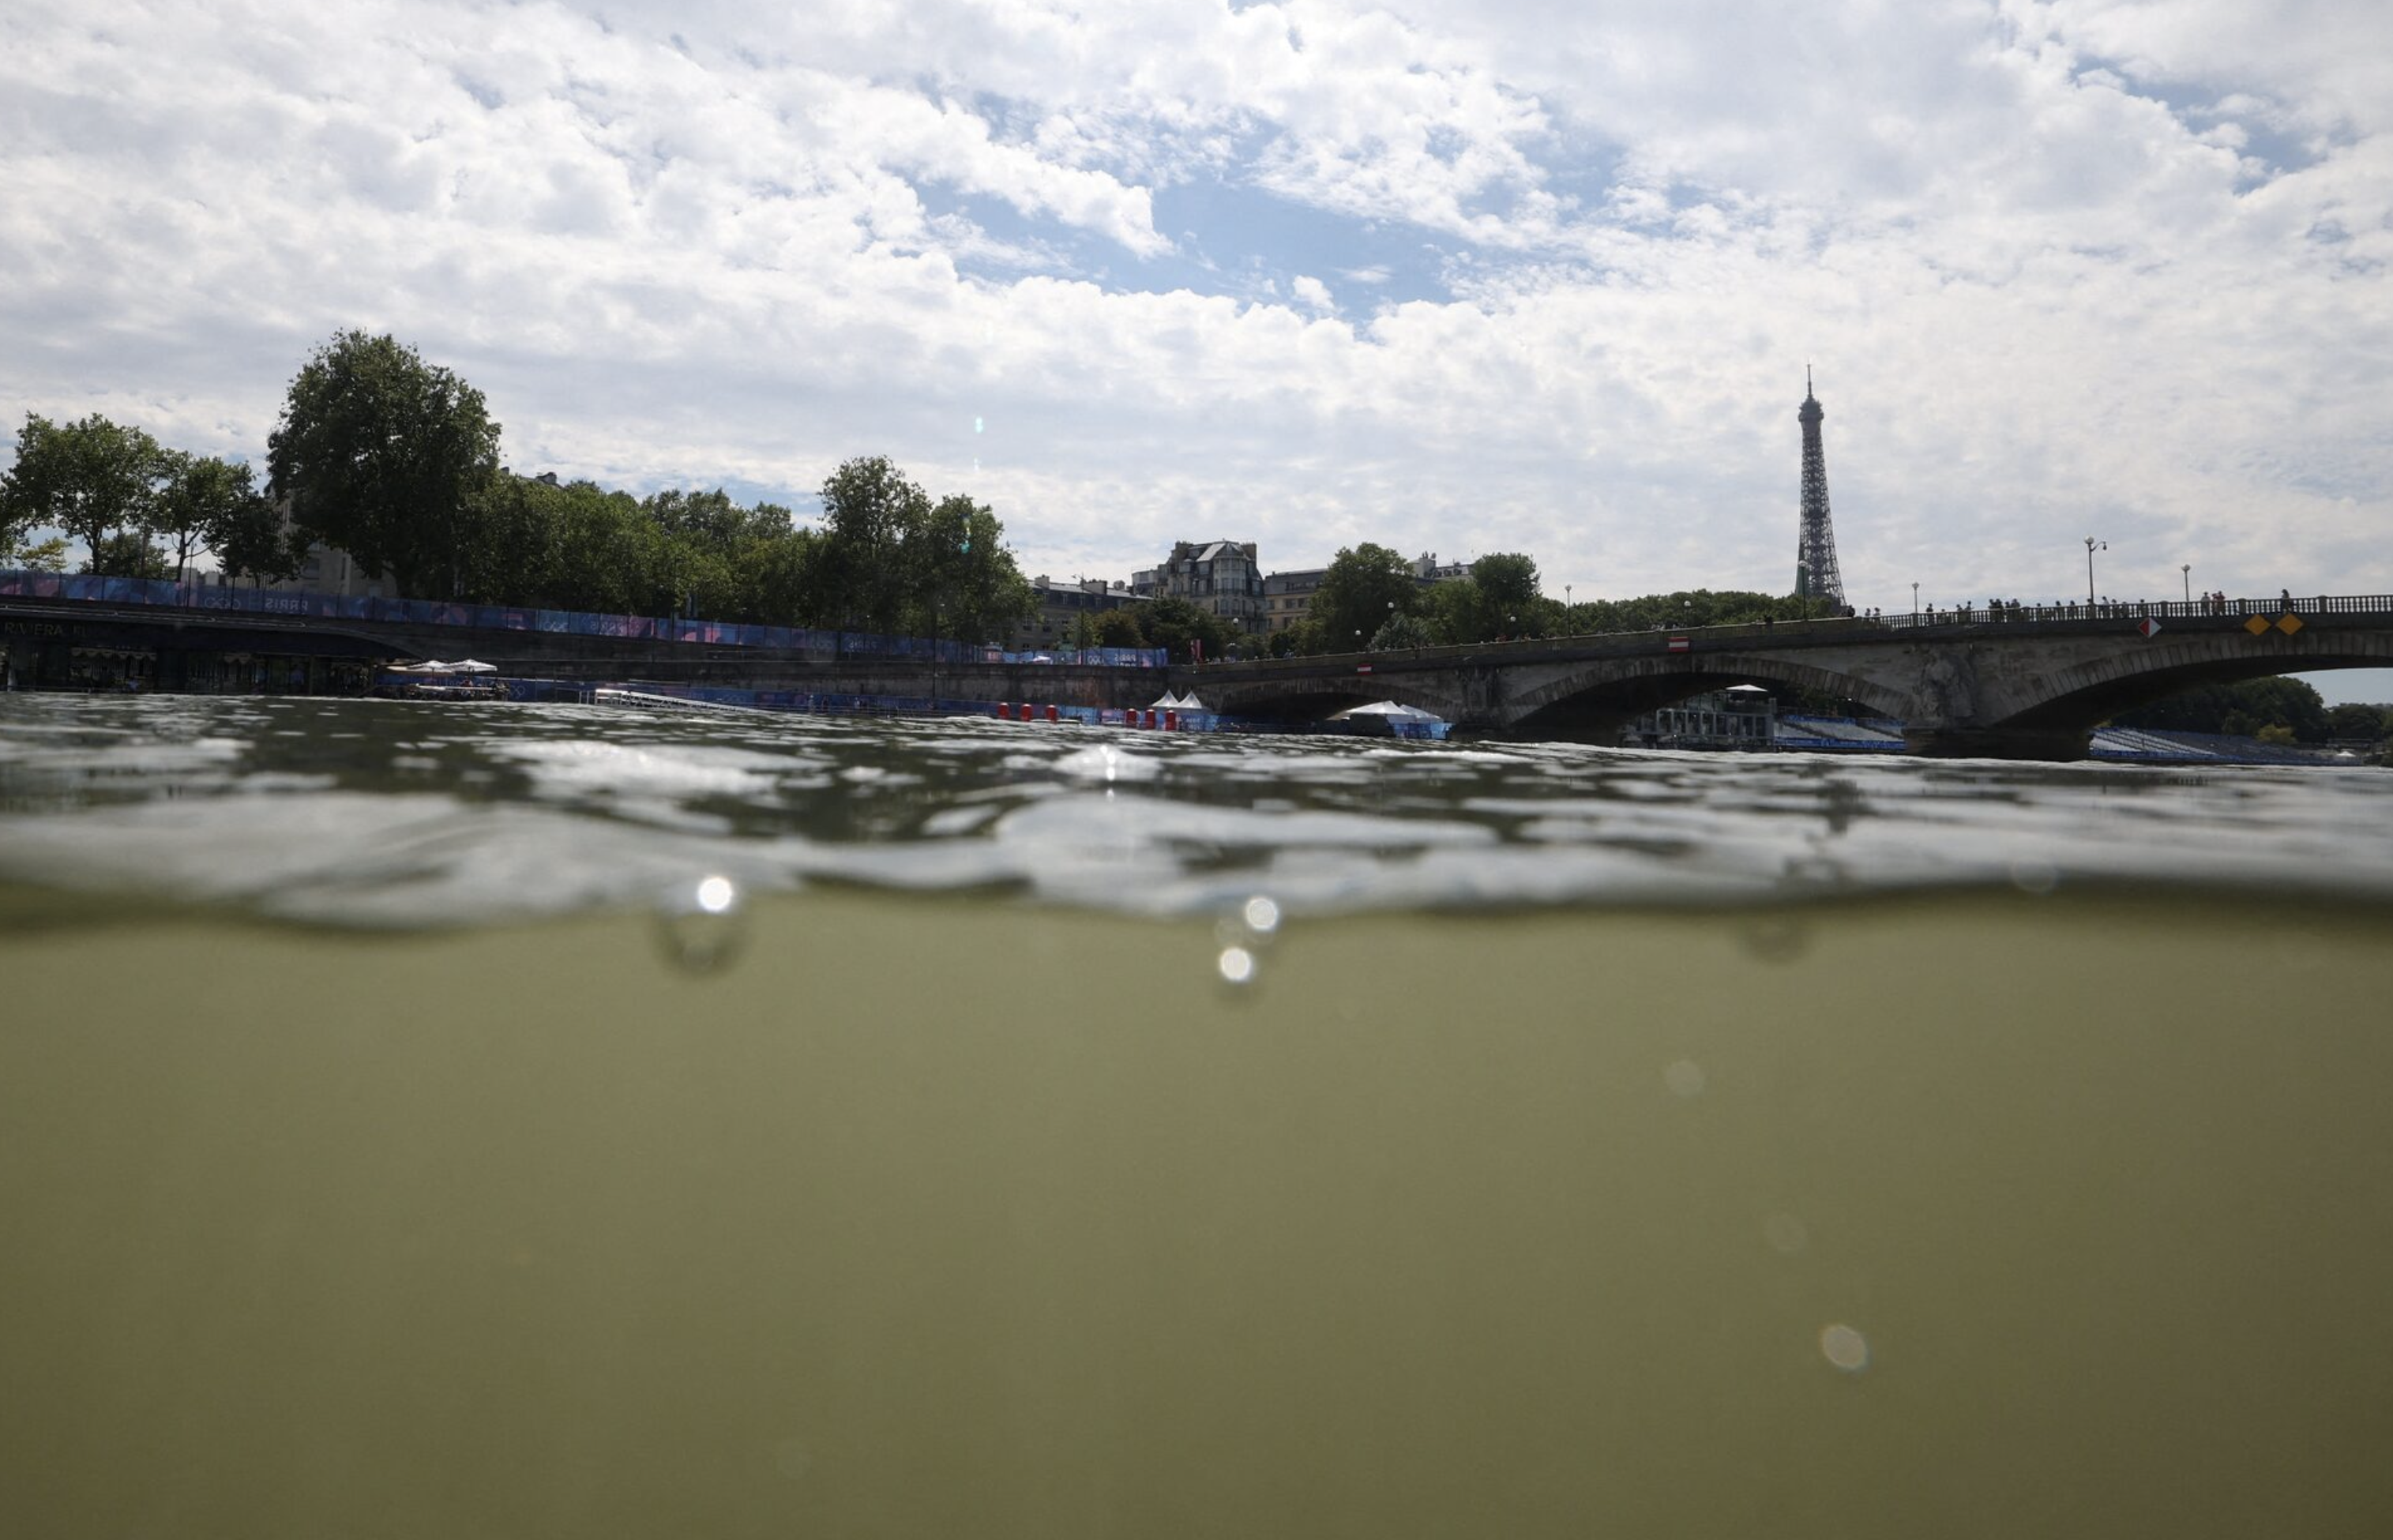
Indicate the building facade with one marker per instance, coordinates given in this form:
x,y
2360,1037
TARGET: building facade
x,y
1220,576
1061,607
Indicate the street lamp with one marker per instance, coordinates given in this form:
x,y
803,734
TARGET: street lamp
x,y
1914,603
2186,570
2092,545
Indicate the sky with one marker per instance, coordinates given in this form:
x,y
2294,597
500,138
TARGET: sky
x,y
1454,276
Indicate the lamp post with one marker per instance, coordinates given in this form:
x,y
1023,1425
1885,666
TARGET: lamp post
x,y
2185,569
1914,603
2092,545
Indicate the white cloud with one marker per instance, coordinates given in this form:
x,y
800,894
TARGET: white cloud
x,y
2062,268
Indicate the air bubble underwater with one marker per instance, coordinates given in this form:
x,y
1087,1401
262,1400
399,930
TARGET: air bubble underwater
x,y
1242,934
703,925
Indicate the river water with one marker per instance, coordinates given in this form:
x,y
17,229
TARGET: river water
x,y
531,1121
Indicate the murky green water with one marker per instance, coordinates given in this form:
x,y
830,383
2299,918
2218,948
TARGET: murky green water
x,y
1599,1143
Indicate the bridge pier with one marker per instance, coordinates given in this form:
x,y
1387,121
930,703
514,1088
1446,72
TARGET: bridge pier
x,y
2032,743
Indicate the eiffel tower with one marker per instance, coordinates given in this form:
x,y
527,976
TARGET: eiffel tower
x,y
1816,549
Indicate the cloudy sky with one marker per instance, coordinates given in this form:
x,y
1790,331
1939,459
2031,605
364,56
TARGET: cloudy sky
x,y
1452,275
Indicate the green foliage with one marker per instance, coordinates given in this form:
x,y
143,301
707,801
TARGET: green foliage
x,y
1292,641
2241,709
252,541
1365,586
42,555
870,508
387,457
2359,723
1115,627
1172,623
201,502
1506,581
1690,608
1403,632
128,554
95,480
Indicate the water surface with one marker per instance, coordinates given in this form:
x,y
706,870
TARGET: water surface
x,y
396,1142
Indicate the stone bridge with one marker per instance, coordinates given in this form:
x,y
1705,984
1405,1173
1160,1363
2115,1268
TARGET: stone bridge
x,y
2019,684
2014,683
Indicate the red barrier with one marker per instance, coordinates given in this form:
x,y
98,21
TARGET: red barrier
x,y
1171,721
1054,715
1004,711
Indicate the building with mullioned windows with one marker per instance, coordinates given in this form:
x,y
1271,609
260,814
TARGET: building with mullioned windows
x,y
1221,577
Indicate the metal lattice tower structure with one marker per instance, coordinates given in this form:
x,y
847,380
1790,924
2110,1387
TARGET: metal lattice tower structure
x,y
1816,549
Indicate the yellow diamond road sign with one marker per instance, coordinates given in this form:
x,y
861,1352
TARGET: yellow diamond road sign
x,y
2257,624
2289,623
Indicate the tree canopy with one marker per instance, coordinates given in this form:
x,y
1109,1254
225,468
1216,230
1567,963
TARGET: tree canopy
x,y
387,457
93,478
1364,587
2241,709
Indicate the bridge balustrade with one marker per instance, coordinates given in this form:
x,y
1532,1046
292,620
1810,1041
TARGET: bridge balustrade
x,y
2138,610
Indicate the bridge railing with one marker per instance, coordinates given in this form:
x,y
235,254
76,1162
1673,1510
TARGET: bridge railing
x,y
2013,613
288,604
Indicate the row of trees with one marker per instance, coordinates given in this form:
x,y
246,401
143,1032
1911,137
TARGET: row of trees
x,y
141,509
395,461
1371,599
2274,709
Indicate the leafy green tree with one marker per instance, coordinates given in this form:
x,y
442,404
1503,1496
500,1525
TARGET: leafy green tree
x,y
1172,623
128,554
1297,640
784,578
94,479
606,552
1507,580
2359,723
253,541
385,457
42,555
963,582
869,509
1117,628
1403,632
1365,586
201,500
2241,709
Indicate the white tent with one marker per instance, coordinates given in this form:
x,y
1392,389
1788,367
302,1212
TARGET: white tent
x,y
1389,710
433,665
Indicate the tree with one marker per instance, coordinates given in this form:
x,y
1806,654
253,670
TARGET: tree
x,y
870,508
1402,632
1172,623
94,479
128,554
253,541
2240,708
784,579
1115,627
201,500
1364,587
2358,722
42,555
1507,580
384,456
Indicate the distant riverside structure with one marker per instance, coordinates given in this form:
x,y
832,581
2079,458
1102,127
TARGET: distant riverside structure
x,y
1217,576
1815,550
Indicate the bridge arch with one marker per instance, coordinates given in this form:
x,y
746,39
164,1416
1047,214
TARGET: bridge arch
x,y
1605,694
1316,698
2085,695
